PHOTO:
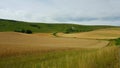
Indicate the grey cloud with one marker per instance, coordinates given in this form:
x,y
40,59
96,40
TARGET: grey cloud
x,y
76,11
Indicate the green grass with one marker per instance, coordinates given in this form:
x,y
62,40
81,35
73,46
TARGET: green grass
x,y
117,42
76,58
11,25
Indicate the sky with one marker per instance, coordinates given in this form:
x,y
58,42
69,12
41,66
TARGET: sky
x,y
85,12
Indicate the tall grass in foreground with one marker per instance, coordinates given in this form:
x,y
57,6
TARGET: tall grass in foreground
x,y
79,58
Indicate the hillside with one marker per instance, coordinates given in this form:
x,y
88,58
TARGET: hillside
x,y
11,25
108,33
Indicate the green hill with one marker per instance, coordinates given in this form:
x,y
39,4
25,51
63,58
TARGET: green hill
x,y
12,25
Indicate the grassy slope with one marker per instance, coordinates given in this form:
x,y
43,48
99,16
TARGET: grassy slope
x,y
11,25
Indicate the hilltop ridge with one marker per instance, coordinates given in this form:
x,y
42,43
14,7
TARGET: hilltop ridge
x,y
12,25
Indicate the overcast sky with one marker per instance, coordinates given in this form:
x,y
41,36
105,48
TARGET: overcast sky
x,y
94,12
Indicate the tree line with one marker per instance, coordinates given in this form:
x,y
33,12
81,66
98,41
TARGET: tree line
x,y
24,31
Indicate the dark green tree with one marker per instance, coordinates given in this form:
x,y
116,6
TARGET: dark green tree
x,y
29,32
23,31
71,30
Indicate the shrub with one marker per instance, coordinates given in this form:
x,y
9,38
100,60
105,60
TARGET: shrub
x,y
24,31
28,31
55,34
117,41
17,30
33,25
71,30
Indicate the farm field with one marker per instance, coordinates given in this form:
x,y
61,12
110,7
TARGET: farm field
x,y
43,50
108,33
50,46
13,42
59,33
69,58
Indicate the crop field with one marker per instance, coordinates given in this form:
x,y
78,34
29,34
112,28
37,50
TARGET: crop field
x,y
43,50
12,42
39,45
78,58
109,33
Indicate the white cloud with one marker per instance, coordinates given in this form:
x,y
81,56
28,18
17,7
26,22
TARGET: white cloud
x,y
77,11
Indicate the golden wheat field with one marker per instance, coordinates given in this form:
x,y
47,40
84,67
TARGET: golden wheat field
x,y
16,43
108,33
44,50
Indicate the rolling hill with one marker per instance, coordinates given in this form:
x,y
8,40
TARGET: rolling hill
x,y
58,45
12,25
108,33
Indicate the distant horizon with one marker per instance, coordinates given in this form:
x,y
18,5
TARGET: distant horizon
x,y
58,23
